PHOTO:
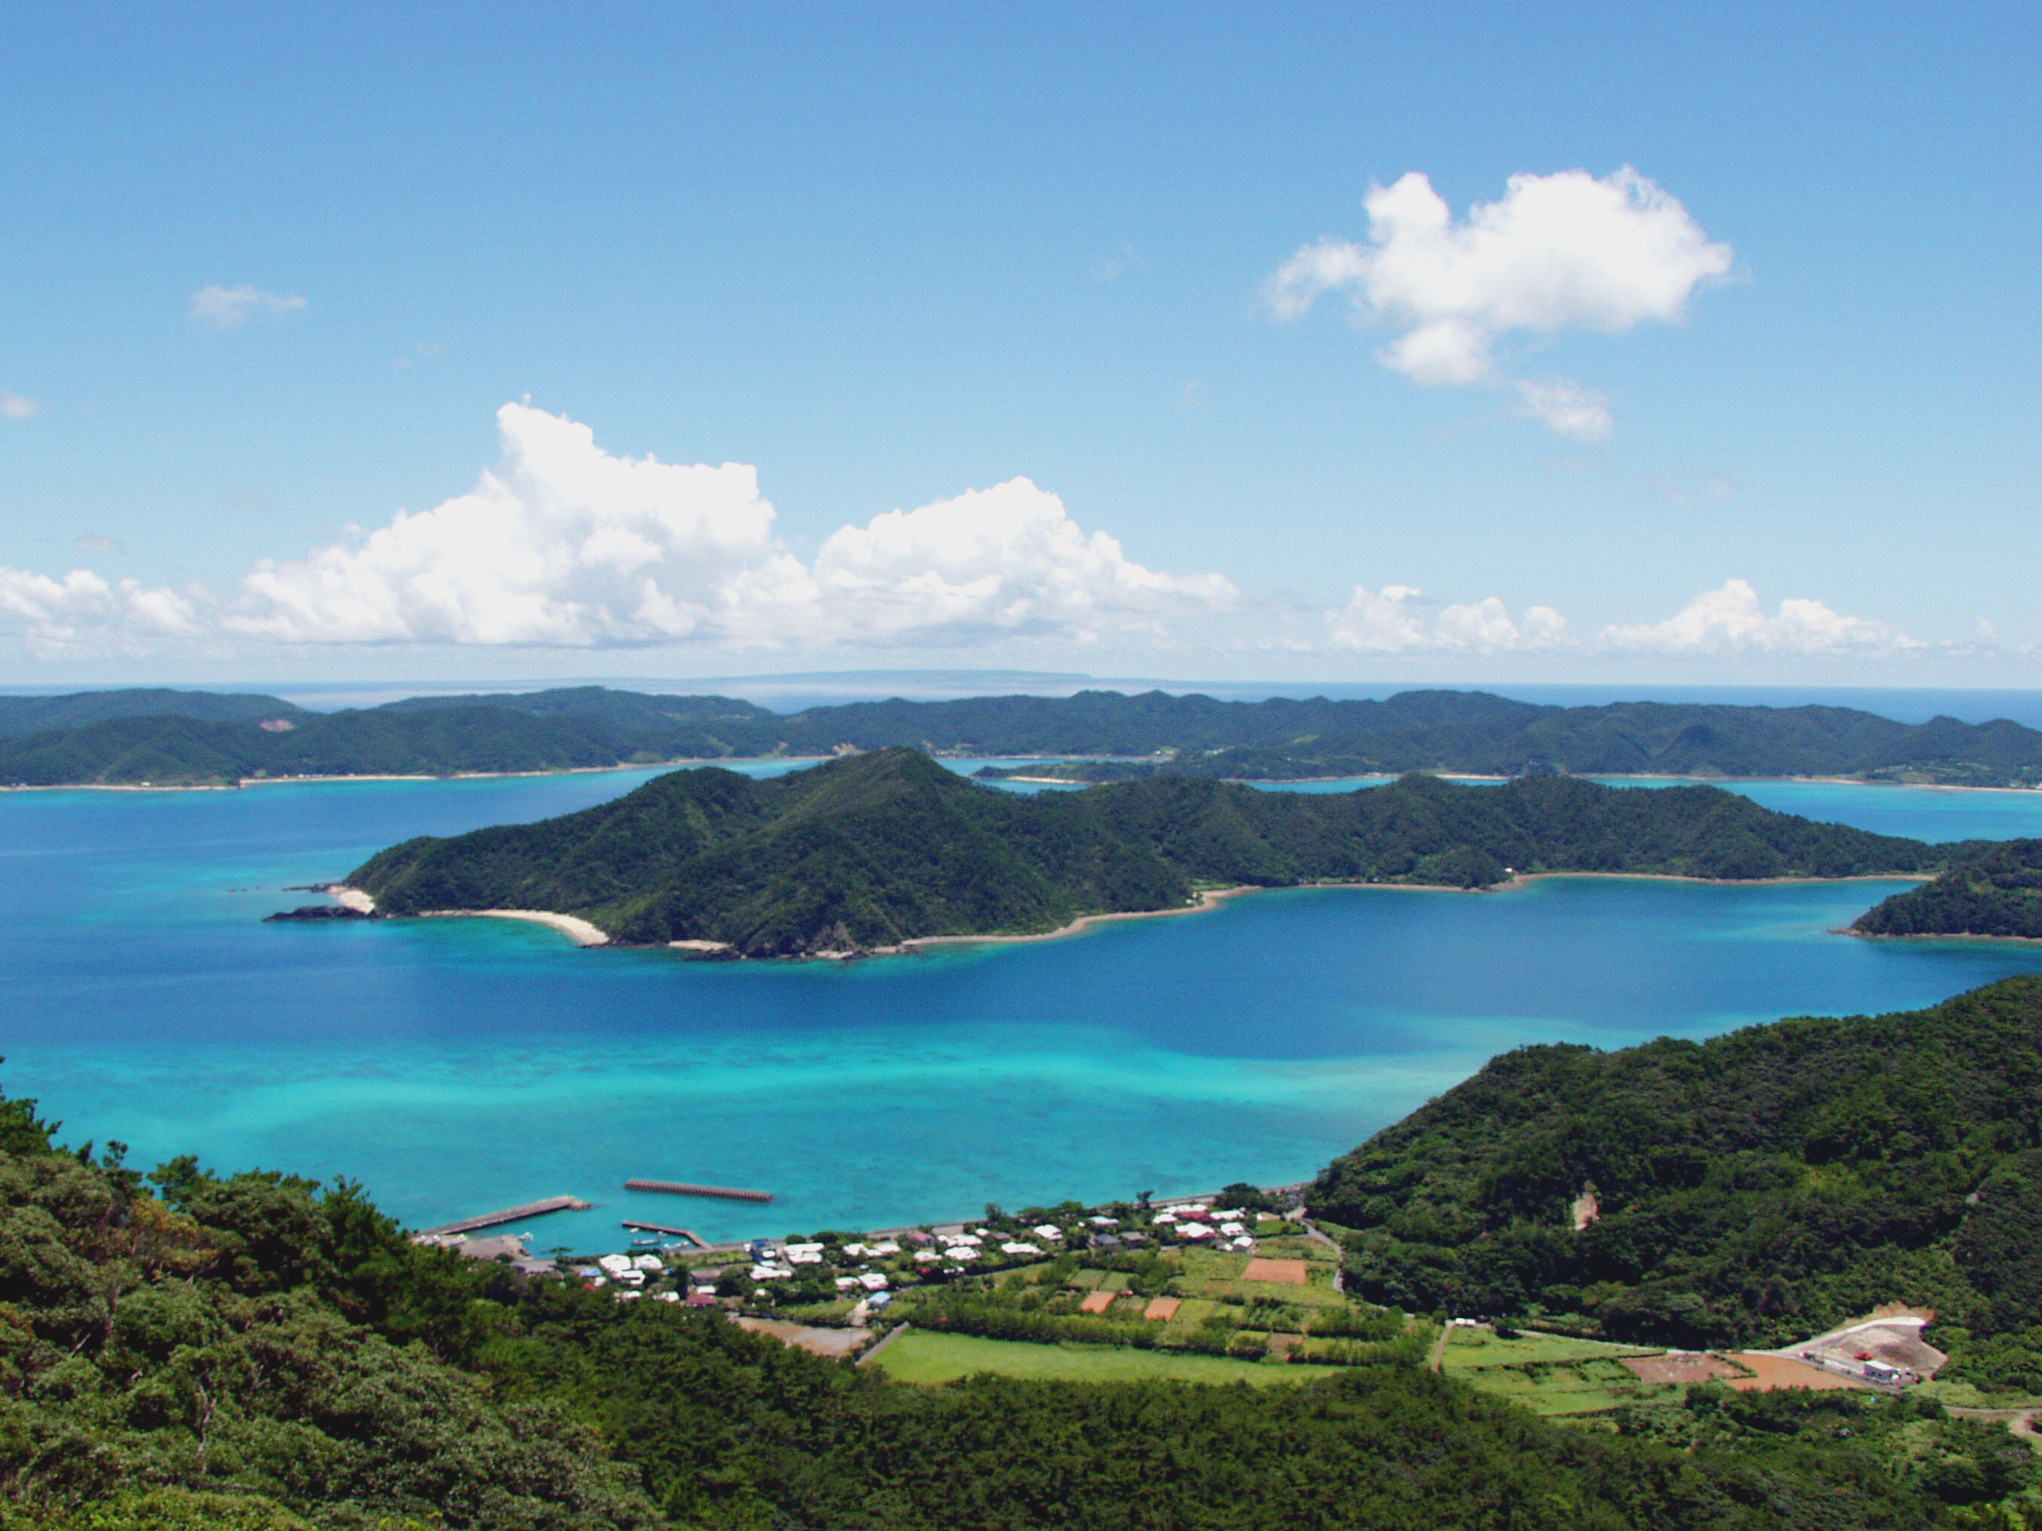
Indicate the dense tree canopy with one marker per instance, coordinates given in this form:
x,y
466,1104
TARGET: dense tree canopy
x,y
1996,891
1751,1188
876,849
165,736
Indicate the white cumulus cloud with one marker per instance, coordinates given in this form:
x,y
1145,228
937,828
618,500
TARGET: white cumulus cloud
x,y
992,561
1730,620
228,308
1401,620
565,545
1566,408
1555,252
18,406
83,614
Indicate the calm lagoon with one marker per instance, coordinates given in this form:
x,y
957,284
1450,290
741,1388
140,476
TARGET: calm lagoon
x,y
459,1066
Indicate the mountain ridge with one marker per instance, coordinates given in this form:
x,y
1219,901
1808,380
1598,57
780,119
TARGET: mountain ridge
x,y
875,850
200,738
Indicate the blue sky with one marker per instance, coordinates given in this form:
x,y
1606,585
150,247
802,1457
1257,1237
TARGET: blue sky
x,y
271,281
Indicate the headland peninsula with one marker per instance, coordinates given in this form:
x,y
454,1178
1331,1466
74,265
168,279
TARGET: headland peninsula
x,y
877,851
1992,892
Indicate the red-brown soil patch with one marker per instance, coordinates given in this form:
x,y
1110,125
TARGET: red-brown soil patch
x,y
1778,1372
1288,1272
1678,1367
1096,1302
1281,1345
1163,1309
820,1342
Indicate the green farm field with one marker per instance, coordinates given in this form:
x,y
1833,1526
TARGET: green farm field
x,y
929,1359
1552,1374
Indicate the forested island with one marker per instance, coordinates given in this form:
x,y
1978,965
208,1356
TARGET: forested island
x,y
1745,1189
876,850
199,738
1994,892
254,1351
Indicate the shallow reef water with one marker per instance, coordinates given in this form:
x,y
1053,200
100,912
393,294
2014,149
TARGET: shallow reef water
x,y
462,1065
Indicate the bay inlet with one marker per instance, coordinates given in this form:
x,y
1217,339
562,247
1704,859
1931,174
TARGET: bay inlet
x,y
459,1065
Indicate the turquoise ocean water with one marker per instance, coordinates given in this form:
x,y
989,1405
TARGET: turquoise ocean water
x,y
460,1066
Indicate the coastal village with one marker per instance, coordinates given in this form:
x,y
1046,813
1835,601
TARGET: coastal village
x,y
1239,1285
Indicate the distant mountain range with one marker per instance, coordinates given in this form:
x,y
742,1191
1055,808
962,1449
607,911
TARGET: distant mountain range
x,y
887,847
179,738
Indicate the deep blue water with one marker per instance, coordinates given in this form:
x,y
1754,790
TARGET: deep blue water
x,y
463,1065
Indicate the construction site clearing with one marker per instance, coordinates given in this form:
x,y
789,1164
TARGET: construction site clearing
x,y
1885,1351
1567,1376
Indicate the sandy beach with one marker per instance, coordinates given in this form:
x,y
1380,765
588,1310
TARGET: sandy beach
x,y
1213,898
1210,899
581,931
1525,879
1939,935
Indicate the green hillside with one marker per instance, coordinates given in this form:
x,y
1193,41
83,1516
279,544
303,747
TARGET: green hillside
x,y
1283,738
863,852
872,850
45,714
191,751
1997,892
56,740
1752,1188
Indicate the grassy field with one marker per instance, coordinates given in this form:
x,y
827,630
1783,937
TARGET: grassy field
x,y
1551,1374
1098,1281
1195,1311
1214,1273
1468,1349
1584,1387
927,1358
1320,1294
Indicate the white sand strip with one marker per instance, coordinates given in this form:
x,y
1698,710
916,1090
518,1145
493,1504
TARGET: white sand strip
x,y
580,931
351,898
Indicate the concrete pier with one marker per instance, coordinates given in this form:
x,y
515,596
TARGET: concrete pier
x,y
508,1215
677,1188
668,1229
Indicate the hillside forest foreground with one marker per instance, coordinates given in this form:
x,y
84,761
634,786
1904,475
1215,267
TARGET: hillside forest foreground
x,y
1779,1278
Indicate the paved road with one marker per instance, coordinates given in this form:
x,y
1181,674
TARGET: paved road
x,y
1339,1275
891,1335
2019,1421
